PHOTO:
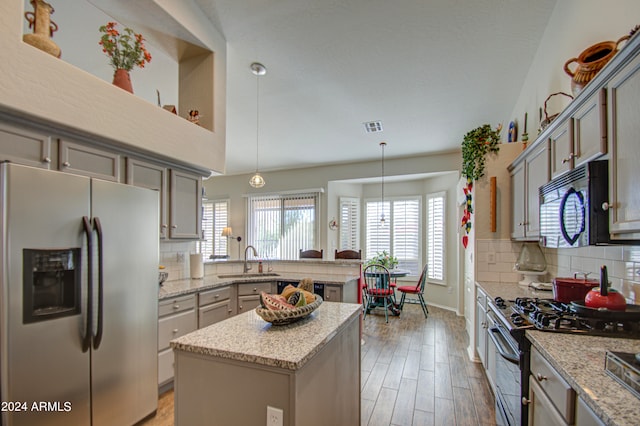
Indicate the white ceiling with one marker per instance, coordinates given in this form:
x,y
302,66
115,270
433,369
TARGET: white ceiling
x,y
430,70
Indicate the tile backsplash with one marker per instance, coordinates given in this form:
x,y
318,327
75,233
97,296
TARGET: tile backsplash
x,y
623,264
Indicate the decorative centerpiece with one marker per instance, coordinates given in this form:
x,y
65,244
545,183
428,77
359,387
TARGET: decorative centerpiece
x,y
293,304
383,258
125,51
43,28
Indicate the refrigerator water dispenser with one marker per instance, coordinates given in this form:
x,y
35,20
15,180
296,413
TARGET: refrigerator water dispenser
x,y
51,284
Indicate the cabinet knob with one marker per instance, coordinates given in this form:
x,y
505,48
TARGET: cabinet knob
x,y
216,296
46,160
255,289
176,306
540,377
607,205
174,226
230,310
66,164
240,307
175,330
164,226
566,160
525,401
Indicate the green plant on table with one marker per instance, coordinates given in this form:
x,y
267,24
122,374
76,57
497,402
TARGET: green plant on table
x,y
383,258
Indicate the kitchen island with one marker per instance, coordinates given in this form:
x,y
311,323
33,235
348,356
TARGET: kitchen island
x,y
233,370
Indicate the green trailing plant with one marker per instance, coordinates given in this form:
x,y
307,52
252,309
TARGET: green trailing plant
x,y
475,146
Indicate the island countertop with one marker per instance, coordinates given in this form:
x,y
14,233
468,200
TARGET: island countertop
x,y
247,337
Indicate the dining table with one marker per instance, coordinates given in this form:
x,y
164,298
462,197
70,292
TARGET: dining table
x,y
393,305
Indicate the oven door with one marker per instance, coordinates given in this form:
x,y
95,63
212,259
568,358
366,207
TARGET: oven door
x,y
508,377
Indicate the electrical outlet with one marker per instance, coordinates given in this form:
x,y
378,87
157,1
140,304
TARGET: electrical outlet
x,y
491,257
180,257
274,416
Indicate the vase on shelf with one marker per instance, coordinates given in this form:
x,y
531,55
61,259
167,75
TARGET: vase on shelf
x,y
43,28
122,79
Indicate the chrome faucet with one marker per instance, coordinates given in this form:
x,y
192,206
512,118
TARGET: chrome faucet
x,y
247,267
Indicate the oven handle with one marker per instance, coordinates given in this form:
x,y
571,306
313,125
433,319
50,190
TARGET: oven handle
x,y
502,345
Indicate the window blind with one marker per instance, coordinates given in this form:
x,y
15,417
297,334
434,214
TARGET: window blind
x,y
349,223
279,226
215,217
435,236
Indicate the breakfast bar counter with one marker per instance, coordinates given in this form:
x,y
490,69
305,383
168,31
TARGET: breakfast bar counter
x,y
233,370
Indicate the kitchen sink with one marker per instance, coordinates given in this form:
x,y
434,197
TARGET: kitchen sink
x,y
250,275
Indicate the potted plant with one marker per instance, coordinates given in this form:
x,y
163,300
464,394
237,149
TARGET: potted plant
x,y
383,258
125,51
475,146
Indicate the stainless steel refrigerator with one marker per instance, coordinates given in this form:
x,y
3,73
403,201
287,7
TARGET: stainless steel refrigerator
x,y
79,295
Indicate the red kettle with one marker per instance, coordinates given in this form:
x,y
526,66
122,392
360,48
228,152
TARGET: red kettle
x,y
604,297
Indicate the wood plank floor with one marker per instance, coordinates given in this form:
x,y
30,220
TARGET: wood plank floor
x,y
415,371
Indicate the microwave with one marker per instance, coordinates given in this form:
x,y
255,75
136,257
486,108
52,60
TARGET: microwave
x,y
571,207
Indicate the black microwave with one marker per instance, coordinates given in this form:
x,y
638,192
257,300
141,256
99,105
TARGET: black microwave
x,y
571,207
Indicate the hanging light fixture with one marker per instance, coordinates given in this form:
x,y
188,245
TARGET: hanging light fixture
x,y
257,181
382,218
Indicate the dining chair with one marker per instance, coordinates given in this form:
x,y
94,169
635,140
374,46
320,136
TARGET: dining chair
x,y
377,289
311,254
348,254
417,289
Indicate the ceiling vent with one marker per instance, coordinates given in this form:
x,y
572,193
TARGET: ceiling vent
x,y
373,126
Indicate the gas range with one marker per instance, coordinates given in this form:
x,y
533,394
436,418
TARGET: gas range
x,y
548,315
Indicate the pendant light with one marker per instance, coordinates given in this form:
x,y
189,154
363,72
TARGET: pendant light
x,y
382,218
257,181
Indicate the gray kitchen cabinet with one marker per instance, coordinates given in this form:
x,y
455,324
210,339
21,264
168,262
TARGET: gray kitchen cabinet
x,y
215,305
185,211
332,293
585,415
481,326
581,137
176,317
25,147
81,159
624,152
526,177
152,176
249,294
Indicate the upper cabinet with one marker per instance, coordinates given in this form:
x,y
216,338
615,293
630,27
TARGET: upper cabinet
x,y
25,147
152,176
185,205
624,155
581,137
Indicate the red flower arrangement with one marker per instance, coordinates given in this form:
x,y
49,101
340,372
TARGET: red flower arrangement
x,y
124,50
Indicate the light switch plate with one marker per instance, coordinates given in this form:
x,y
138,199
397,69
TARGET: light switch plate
x,y
491,257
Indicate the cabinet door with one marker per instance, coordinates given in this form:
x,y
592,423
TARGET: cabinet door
x,y
518,201
25,147
174,326
561,148
624,150
214,313
84,160
333,293
247,303
147,175
541,410
537,174
590,129
481,332
186,205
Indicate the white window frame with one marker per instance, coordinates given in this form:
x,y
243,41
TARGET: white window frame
x,y
349,223
436,249
212,223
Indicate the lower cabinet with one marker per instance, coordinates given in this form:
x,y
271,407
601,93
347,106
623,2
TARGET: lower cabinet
x,y
177,317
481,326
332,293
585,415
215,306
249,294
551,399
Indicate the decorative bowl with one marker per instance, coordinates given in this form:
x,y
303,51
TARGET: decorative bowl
x,y
287,316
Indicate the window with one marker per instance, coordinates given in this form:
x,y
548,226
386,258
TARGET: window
x,y
215,216
279,226
435,236
399,236
349,223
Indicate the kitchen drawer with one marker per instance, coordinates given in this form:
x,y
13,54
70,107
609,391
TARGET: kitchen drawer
x,y
174,326
247,289
212,296
177,304
214,312
165,366
555,387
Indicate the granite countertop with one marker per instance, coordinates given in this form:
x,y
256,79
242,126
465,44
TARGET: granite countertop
x,y
247,337
579,359
188,286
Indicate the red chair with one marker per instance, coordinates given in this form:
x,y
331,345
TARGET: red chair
x,y
418,290
378,290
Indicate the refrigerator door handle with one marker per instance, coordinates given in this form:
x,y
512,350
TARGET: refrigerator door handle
x,y
86,339
98,336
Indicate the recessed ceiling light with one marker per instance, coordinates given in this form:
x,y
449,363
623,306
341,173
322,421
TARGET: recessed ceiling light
x,y
373,126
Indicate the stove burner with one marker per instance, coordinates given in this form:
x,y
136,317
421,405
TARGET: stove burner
x,y
500,303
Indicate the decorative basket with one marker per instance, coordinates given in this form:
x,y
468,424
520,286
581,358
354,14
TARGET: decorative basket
x,y
287,316
548,119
